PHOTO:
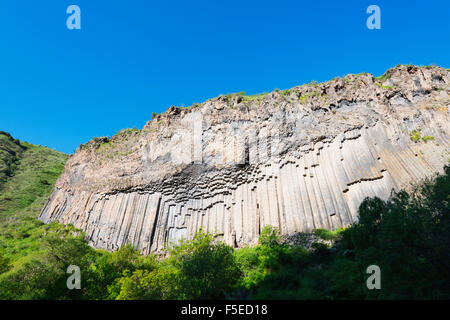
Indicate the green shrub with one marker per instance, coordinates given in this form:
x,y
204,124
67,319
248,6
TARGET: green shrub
x,y
148,285
206,269
385,87
255,97
327,234
415,135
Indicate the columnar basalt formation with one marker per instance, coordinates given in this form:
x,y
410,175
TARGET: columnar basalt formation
x,y
298,159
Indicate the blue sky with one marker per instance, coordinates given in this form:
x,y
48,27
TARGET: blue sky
x,y
61,87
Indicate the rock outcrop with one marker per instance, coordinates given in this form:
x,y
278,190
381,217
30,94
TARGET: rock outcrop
x,y
297,159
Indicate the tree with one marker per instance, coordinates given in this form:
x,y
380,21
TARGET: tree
x,y
107,271
149,285
206,268
271,251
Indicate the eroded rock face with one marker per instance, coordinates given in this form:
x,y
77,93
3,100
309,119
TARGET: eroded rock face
x,y
298,159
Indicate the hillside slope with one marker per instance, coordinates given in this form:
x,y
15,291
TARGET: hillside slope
x,y
299,159
10,152
29,175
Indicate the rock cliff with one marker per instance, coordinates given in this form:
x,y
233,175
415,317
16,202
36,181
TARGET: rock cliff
x,y
297,159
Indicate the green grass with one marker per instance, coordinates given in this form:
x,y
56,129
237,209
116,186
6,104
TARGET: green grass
x,y
385,87
22,197
304,98
246,98
254,97
383,77
286,92
10,153
427,138
325,234
126,132
119,145
195,105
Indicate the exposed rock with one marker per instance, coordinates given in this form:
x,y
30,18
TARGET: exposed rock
x,y
298,159
305,240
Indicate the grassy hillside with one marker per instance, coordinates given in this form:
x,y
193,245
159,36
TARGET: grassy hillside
x,y
10,152
27,176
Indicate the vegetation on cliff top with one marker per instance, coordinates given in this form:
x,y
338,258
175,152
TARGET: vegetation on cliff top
x,y
312,93
313,85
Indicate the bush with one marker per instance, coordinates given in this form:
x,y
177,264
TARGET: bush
x,y
327,234
44,276
148,285
195,269
206,270
108,269
415,135
408,237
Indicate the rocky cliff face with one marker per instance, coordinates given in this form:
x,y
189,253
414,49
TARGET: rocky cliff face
x,y
298,159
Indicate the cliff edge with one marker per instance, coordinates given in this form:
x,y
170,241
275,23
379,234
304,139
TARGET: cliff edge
x,y
298,159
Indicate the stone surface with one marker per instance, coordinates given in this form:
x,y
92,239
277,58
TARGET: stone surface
x,y
298,159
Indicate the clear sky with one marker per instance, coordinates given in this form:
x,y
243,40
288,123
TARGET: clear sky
x,y
61,87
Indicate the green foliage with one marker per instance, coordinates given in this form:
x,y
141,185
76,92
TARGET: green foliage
x,y
22,198
121,144
327,234
141,285
255,97
4,263
205,268
304,98
408,237
286,92
195,269
384,86
251,98
430,66
144,284
196,105
43,275
108,269
270,237
415,135
384,77
10,153
124,133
